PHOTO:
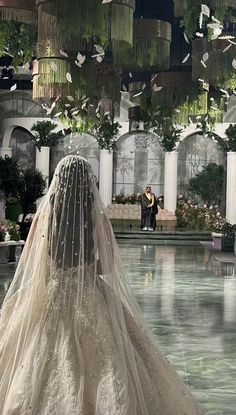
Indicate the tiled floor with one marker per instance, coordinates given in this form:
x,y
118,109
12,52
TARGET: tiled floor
x,y
189,299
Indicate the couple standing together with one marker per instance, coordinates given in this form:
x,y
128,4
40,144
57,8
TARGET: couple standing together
x,y
149,210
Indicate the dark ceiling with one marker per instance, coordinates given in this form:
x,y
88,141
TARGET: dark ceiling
x,y
155,9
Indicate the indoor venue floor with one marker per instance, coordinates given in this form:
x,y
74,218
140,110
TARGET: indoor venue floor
x,y
188,296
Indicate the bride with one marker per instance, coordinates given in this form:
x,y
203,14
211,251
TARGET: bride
x,y
72,338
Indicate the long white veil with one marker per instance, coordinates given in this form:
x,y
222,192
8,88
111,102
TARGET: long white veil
x,y
72,338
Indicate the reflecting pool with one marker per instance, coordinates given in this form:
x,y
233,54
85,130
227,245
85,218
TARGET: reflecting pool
x,y
188,296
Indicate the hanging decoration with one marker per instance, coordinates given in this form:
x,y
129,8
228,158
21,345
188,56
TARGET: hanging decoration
x,y
151,48
77,52
182,6
218,70
18,10
177,97
18,20
90,19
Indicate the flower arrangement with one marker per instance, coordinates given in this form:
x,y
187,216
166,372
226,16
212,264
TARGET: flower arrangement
x,y
11,227
191,216
133,199
122,199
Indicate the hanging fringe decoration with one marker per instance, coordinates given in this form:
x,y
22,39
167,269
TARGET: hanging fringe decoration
x,y
178,97
218,70
91,79
151,49
23,11
181,6
90,19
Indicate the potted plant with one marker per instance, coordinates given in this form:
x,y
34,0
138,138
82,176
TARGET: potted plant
x,y
44,134
10,179
168,133
208,184
31,188
7,226
106,132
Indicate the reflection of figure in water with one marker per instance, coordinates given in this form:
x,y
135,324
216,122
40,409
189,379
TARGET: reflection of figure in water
x,y
149,210
72,338
147,260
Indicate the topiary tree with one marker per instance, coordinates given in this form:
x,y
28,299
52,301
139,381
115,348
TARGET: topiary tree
x,y
231,138
31,188
43,134
208,184
10,176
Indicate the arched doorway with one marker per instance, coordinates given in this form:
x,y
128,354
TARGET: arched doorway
x,y
195,152
84,145
138,160
23,148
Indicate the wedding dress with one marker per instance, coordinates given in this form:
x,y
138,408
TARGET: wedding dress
x,y
72,338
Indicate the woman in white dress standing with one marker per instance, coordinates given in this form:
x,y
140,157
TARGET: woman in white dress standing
x,y
72,338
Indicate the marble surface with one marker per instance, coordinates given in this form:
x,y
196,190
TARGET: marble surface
x,y
188,296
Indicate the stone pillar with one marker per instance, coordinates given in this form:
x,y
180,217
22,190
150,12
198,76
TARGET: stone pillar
x,y
231,188
170,181
106,176
42,161
5,151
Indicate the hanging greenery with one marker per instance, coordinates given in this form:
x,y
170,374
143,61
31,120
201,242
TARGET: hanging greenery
x,y
90,19
17,40
219,7
151,48
206,125
218,70
178,97
223,10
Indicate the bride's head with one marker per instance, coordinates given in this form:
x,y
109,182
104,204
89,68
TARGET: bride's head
x,y
72,203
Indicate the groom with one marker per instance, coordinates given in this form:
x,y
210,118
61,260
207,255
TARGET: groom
x,y
149,210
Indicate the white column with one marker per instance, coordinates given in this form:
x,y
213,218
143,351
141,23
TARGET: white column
x,y
170,181
42,161
5,151
230,299
231,188
106,176
2,204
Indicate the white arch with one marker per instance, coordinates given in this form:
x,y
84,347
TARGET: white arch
x,y
192,129
9,124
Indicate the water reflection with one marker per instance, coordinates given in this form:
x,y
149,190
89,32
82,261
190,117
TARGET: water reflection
x,y
188,296
191,306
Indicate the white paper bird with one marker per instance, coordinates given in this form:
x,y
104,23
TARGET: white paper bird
x,y
68,77
186,58
13,88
